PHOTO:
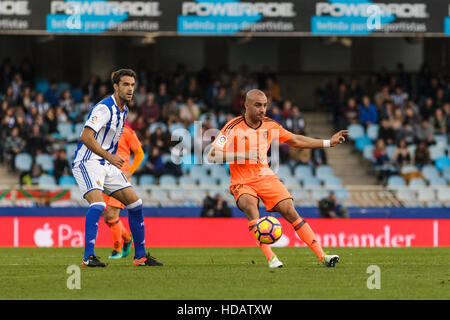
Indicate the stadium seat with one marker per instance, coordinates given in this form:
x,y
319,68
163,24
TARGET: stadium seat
x,y
218,171
283,171
390,150
65,130
437,182
152,128
406,195
207,181
198,171
303,171
426,195
342,194
412,148
436,152
319,194
396,181
45,160
62,86
77,94
368,152
311,182
167,180
355,131
46,180
160,195
175,126
441,140
78,128
323,172
446,173
429,171
70,151
290,181
300,194
177,195
332,182
212,116
224,181
166,157
408,169
443,195
372,131
23,161
146,180
362,142
67,181
442,163
417,183
187,181
42,85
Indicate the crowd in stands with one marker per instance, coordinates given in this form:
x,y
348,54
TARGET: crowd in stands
x,y
44,116
397,119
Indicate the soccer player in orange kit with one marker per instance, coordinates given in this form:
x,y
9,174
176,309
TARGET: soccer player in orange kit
x,y
128,142
244,142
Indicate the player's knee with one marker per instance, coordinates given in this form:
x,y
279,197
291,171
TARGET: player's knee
x,y
135,204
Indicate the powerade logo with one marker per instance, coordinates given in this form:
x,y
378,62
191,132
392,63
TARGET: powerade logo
x,y
96,16
361,17
229,16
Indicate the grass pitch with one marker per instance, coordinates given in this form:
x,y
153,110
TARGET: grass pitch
x,y
228,274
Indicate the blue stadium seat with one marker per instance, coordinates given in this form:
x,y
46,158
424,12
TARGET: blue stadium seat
x,y
175,126
187,181
218,171
70,151
146,180
323,172
197,171
311,182
224,181
342,194
319,194
290,181
283,171
300,194
396,181
23,161
390,150
443,194
412,148
166,157
303,171
446,173
417,183
437,182
368,152
207,181
65,130
426,195
45,160
153,126
441,140
77,94
167,180
406,195
42,85
67,181
408,169
61,87
213,117
355,131
372,131
436,152
429,171
442,163
78,128
46,180
362,142
332,182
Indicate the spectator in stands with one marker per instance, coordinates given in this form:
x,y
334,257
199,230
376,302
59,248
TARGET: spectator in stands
x,y
238,101
50,119
40,103
160,139
213,91
31,177
410,117
189,111
402,156
399,96
272,89
350,114
319,157
223,102
295,123
17,86
140,126
60,115
331,208
50,95
300,156
36,141
154,164
396,121
275,113
9,96
438,122
383,95
215,207
287,109
355,90
91,88
141,95
68,104
407,133
26,97
31,115
380,159
368,113
422,154
427,109
425,132
386,132
150,110
21,124
193,90
14,145
84,106
61,165
162,98
171,112
386,111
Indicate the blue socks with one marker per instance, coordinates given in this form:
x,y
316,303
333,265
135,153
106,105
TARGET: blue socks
x,y
91,226
136,222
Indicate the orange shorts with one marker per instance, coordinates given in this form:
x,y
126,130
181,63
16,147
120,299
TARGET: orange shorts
x,y
113,202
270,190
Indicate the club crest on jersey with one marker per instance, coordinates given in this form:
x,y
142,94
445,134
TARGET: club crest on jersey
x,y
221,141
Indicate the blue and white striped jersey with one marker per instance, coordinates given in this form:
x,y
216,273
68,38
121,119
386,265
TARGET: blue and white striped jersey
x,y
106,119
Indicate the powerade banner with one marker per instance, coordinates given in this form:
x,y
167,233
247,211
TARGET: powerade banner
x,y
226,17
363,17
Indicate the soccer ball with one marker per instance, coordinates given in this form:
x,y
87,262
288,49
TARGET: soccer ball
x,y
268,230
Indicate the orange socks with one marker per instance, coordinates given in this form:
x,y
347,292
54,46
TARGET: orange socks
x,y
118,233
264,247
305,233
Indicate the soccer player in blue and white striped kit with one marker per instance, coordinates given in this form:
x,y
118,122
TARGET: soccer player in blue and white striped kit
x,y
96,168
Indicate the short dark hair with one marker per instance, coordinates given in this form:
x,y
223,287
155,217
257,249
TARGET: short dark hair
x,y
116,75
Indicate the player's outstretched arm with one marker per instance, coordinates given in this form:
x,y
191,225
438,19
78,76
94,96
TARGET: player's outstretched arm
x,y
87,137
219,156
299,141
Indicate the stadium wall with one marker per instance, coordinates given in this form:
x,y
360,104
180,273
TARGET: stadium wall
x,y
226,232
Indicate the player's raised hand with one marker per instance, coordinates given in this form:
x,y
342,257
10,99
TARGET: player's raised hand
x,y
116,160
338,138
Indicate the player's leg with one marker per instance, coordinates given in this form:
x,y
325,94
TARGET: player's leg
x,y
248,204
133,203
287,210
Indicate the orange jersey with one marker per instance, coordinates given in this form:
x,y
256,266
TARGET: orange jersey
x,y
128,142
238,136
